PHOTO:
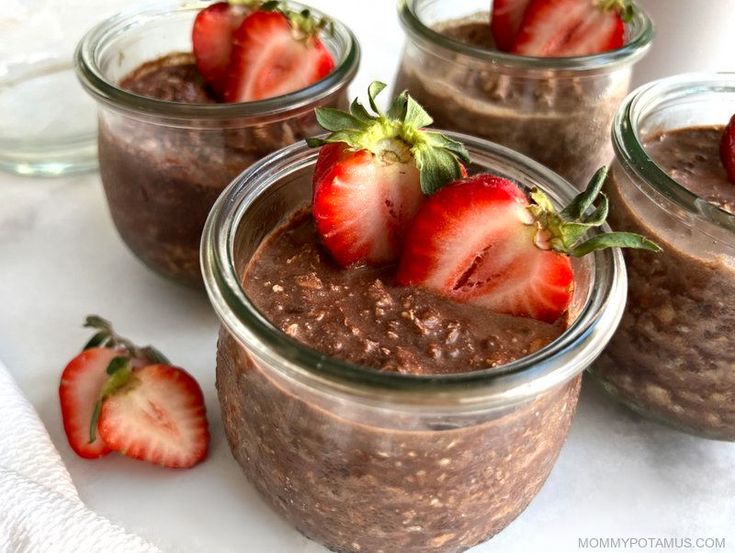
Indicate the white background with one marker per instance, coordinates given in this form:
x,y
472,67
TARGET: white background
x,y
60,258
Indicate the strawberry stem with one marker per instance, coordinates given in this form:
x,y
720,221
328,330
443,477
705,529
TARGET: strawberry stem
x,y
389,135
108,338
563,231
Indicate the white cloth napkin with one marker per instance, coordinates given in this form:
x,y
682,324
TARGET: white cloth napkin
x,y
40,510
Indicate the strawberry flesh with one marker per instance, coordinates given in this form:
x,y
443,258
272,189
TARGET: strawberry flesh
x,y
362,206
472,242
79,391
507,16
268,59
563,28
727,150
212,41
158,417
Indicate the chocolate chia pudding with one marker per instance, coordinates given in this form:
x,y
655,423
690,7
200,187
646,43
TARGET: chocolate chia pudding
x,y
161,179
557,114
383,482
674,355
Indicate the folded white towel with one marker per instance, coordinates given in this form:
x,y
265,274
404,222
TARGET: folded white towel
x,y
40,510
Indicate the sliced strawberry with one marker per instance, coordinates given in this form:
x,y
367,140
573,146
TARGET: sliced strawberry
x,y
271,58
158,415
472,242
727,149
479,240
79,391
362,205
372,173
562,28
505,22
212,41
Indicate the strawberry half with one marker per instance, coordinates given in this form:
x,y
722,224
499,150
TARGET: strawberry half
x,y
212,41
79,391
505,22
562,28
275,53
362,206
372,175
116,396
727,150
479,240
155,414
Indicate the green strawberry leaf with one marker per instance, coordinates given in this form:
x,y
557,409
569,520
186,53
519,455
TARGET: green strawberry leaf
x,y
336,120
398,107
154,355
615,240
437,167
97,340
375,88
416,116
567,227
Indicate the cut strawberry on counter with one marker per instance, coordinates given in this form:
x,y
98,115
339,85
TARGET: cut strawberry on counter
x,y
155,414
156,411
727,150
212,41
276,51
372,175
480,240
506,18
563,28
79,390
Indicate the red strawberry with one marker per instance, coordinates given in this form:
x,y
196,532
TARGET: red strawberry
x,y
562,28
79,391
362,205
157,414
212,41
271,58
479,240
372,174
505,21
727,149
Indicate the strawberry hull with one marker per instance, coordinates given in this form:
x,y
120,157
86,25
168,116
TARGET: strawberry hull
x,y
341,409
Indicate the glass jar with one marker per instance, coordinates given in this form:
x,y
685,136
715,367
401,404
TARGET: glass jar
x,y
362,460
557,111
673,358
163,163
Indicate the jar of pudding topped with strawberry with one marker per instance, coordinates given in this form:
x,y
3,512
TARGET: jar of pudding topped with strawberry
x,y
543,77
406,314
673,357
189,95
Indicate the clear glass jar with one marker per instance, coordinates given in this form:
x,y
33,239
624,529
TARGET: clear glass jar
x,y
557,111
673,357
163,163
362,460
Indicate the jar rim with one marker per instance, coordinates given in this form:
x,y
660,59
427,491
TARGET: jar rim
x,y
562,359
629,148
634,49
107,91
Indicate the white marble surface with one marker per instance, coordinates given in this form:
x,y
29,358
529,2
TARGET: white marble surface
x,y
618,476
